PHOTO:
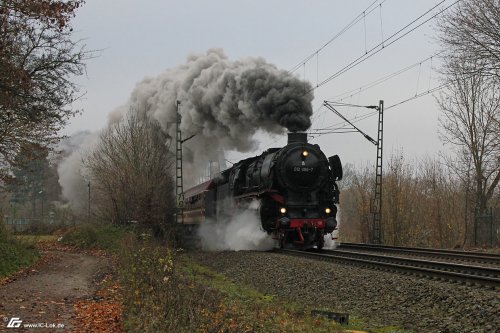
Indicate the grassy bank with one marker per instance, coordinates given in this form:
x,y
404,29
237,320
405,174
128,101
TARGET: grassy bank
x,y
167,290
96,236
19,251
15,254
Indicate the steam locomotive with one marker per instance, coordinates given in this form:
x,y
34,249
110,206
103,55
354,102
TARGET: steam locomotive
x,y
295,187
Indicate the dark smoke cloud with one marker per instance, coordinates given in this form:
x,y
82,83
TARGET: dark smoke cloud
x,y
224,102
222,98
277,97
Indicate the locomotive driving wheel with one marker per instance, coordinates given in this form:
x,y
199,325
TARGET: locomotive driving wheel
x,y
282,240
320,240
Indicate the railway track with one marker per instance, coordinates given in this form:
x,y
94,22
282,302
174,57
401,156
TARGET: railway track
x,y
468,274
466,256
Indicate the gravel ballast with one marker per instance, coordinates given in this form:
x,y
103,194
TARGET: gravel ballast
x,y
378,298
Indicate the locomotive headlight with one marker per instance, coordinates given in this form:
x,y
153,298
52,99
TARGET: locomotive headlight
x,y
305,153
328,210
283,210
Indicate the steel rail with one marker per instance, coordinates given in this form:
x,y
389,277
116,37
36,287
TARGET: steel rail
x,y
471,275
489,258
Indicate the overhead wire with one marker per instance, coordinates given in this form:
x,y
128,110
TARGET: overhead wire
x,y
418,96
383,79
334,128
381,46
343,124
368,54
340,33
424,93
339,128
381,26
349,104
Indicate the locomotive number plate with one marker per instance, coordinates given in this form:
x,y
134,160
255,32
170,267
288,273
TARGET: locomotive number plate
x,y
302,169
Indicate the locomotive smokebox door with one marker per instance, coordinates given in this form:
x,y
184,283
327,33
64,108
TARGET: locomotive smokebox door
x,y
336,167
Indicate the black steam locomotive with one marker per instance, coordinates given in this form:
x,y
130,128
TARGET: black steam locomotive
x,y
295,187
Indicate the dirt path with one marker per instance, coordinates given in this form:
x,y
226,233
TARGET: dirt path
x,y
46,295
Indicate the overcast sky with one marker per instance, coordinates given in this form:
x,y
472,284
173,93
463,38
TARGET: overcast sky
x,y
142,39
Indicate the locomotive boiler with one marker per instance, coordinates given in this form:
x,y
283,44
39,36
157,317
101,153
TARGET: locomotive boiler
x,y
295,187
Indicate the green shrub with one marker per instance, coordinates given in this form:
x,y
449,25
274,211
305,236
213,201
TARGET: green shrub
x,y
39,228
14,254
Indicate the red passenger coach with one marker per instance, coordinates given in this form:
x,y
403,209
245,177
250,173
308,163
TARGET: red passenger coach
x,y
199,203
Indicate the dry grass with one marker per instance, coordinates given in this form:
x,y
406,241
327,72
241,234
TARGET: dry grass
x,y
165,291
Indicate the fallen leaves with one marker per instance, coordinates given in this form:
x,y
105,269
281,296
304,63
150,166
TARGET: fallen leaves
x,y
45,247
95,316
102,312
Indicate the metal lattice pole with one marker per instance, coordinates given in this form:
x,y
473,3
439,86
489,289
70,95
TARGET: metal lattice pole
x,y
377,201
179,190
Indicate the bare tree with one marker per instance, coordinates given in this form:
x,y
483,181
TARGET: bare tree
x,y
131,173
355,217
37,60
423,204
471,112
471,32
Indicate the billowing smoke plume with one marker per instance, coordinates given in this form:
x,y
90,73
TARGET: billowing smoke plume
x,y
70,169
223,103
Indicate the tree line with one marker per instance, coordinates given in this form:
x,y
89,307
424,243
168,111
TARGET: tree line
x,y
442,202
423,204
432,202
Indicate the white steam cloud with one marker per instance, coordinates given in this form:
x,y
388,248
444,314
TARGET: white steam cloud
x,y
330,243
242,232
70,169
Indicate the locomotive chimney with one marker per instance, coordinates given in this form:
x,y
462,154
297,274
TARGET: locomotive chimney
x,y
299,137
